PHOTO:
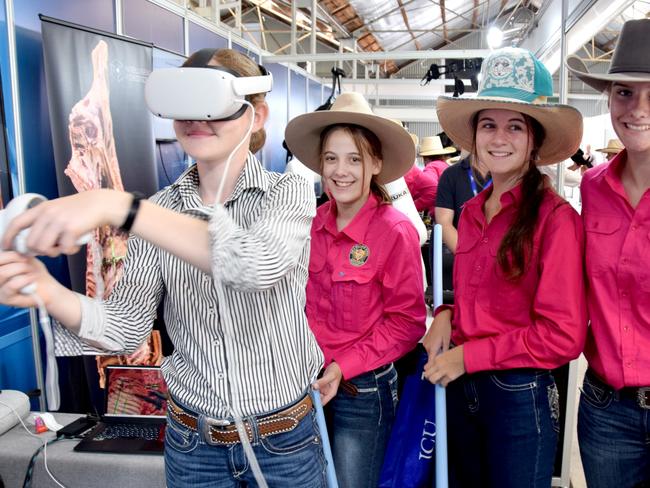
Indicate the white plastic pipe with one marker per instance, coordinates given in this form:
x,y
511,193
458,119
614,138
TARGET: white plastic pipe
x,y
442,474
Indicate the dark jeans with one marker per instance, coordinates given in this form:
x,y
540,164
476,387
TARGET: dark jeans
x,y
614,436
293,458
359,427
503,428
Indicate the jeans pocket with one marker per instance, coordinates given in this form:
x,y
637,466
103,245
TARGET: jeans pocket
x,y
179,438
554,406
596,394
284,443
511,380
392,384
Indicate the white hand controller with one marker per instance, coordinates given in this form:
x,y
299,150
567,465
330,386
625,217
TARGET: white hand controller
x,y
16,207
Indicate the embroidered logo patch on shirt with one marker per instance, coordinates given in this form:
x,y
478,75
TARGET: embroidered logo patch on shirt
x,y
359,254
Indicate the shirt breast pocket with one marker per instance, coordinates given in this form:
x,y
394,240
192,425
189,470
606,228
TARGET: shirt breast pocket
x,y
601,241
503,296
351,294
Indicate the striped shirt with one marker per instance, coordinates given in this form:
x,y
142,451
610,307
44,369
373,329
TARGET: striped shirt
x,y
241,338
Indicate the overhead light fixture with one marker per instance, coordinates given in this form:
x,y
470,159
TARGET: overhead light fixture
x,y
494,37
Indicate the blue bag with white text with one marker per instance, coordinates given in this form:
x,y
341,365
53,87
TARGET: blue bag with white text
x,y
410,455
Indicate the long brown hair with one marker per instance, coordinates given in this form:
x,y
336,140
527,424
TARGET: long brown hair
x,y
367,143
243,66
517,244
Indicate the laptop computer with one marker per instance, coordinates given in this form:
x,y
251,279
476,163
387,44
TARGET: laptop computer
x,y
135,406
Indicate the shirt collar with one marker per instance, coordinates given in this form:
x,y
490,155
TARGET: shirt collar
x,y
252,176
356,229
614,171
187,185
510,199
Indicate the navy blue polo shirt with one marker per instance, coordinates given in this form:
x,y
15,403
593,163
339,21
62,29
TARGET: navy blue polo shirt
x,y
454,187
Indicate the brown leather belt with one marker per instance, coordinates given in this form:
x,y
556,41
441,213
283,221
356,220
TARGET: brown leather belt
x,y
224,432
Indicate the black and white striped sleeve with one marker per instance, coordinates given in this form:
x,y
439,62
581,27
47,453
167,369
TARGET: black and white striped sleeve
x,y
256,258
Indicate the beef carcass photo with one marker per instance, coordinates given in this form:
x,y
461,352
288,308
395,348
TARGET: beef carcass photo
x,y
94,165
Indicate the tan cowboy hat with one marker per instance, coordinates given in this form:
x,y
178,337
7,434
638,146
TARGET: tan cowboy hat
x,y
302,135
628,62
513,79
432,146
614,146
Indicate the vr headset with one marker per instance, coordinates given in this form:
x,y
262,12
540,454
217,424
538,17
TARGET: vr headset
x,y
202,92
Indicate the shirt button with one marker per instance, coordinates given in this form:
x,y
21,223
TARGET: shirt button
x,y
624,260
216,342
341,273
635,227
221,376
478,268
628,363
211,313
623,294
484,240
626,328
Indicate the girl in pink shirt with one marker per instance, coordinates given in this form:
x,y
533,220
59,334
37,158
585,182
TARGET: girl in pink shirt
x,y
518,278
613,420
365,297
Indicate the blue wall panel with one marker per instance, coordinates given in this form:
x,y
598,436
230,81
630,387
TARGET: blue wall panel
x,y
314,95
298,98
148,22
274,154
203,38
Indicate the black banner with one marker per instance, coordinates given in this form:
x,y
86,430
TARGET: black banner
x,y
102,131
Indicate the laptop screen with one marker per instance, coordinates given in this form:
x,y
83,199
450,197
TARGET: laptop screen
x,y
135,391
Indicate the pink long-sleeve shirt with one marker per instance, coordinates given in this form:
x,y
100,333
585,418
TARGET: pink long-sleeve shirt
x,y
365,297
536,322
618,274
423,187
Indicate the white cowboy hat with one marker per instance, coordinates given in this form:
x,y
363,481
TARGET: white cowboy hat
x,y
432,146
614,146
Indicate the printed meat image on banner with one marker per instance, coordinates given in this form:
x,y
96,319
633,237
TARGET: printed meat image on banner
x,y
94,165
102,136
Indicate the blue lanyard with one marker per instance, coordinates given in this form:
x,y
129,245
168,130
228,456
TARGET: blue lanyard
x,y
472,182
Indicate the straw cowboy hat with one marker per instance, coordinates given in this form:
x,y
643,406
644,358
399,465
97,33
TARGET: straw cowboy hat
x,y
513,79
628,63
614,146
432,146
303,135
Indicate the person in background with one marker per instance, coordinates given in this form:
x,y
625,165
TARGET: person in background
x,y
458,183
231,268
613,417
435,157
365,297
517,240
613,147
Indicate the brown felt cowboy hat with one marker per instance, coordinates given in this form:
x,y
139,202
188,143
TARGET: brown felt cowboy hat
x,y
302,135
629,64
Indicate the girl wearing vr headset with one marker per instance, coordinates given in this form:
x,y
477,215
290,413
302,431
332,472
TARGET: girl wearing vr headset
x,y
517,242
613,417
233,283
365,296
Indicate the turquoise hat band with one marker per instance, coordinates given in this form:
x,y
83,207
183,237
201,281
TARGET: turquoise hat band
x,y
511,93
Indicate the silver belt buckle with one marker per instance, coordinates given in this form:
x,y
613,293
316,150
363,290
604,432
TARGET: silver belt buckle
x,y
643,397
207,425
